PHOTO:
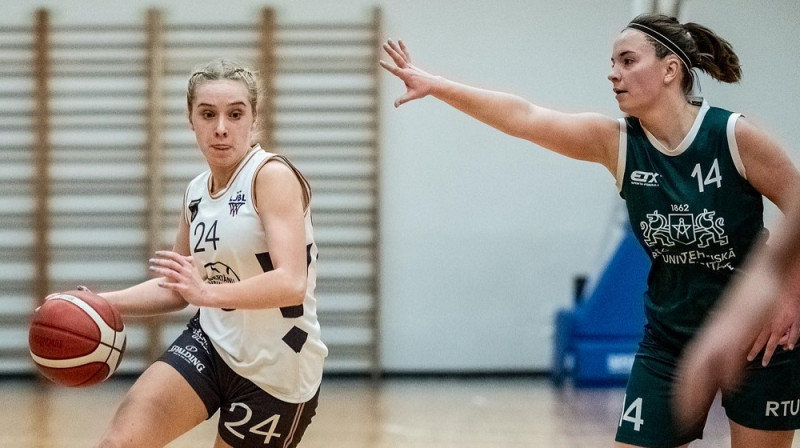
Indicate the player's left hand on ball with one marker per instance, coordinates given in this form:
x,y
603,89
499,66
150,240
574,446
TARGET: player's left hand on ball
x,y
180,276
77,288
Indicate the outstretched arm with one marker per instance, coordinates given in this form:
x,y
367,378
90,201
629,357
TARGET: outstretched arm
x,y
584,136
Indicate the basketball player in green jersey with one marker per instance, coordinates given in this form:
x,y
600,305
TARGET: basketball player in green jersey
x,y
693,178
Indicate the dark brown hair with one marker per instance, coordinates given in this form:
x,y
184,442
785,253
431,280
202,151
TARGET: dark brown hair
x,y
704,48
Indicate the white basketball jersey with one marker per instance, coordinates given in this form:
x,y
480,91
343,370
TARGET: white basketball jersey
x,y
278,349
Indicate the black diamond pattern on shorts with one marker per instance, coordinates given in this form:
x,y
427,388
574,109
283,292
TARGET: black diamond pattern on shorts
x,y
295,339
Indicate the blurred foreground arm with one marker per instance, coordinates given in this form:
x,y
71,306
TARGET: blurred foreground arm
x,y
717,357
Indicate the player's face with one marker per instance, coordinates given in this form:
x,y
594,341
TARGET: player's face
x,y
222,120
637,74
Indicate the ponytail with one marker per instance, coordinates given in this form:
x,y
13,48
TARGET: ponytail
x,y
714,55
696,45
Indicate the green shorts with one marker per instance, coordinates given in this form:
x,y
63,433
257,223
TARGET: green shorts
x,y
767,399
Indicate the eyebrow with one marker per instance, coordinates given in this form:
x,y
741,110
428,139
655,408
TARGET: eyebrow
x,y
237,103
623,54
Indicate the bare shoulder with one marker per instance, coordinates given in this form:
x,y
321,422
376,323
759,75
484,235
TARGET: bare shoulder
x,y
753,142
747,133
276,168
277,182
750,136
767,165
605,132
607,126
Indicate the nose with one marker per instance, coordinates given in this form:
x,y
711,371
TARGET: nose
x,y
221,129
613,75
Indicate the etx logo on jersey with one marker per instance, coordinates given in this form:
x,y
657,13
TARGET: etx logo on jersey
x,y
644,178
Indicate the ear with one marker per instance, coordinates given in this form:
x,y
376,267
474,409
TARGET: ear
x,y
672,69
255,124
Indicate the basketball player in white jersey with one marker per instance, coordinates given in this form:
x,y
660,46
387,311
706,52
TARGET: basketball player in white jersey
x,y
245,256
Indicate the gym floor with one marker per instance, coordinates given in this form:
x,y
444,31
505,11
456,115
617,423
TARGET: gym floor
x,y
407,412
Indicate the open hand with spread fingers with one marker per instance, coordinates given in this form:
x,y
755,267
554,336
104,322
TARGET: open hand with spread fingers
x,y
180,276
419,83
781,331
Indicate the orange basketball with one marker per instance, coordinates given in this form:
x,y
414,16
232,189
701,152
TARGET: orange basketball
x,y
76,338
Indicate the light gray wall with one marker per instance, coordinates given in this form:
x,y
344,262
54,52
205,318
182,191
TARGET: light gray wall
x,y
482,233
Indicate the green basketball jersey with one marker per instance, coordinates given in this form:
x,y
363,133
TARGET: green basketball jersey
x,y
694,213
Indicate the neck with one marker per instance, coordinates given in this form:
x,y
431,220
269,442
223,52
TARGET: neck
x,y
671,121
221,174
220,177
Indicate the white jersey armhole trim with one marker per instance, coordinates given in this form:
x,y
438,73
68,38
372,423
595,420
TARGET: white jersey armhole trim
x,y
185,207
623,153
253,181
730,130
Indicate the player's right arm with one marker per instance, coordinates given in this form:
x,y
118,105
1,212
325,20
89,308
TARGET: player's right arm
x,y
148,298
584,136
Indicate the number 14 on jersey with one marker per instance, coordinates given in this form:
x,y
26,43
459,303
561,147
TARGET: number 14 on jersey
x,y
712,176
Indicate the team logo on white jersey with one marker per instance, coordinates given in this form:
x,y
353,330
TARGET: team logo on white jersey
x,y
645,178
194,205
218,273
236,201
